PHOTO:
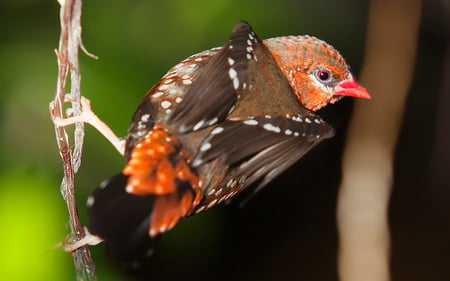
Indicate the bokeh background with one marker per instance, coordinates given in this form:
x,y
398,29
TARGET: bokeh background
x,y
288,230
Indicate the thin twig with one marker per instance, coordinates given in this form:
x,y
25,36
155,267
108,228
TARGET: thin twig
x,y
67,56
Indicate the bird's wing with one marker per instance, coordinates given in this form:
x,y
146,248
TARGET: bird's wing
x,y
262,147
213,95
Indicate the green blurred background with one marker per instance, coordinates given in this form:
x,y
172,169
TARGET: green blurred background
x,y
286,233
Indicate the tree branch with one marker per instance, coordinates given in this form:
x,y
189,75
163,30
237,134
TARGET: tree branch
x,y
368,160
67,56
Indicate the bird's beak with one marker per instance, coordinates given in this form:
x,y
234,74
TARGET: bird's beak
x,y
350,88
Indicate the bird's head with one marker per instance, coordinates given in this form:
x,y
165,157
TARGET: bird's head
x,y
316,71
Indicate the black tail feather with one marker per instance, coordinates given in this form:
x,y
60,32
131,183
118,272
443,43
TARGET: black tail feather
x,y
122,219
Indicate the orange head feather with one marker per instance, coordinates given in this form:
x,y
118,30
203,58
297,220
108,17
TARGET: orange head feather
x,y
316,71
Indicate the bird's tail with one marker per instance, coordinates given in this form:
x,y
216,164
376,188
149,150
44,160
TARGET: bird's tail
x,y
155,190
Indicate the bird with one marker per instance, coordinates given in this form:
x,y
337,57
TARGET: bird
x,y
221,121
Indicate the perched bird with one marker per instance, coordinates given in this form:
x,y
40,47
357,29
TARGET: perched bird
x,y
218,122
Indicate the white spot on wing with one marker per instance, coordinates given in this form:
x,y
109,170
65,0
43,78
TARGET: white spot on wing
x,y
236,83
231,183
297,119
166,104
201,209
163,87
232,73
230,61
217,130
90,201
157,94
213,121
198,125
170,75
271,128
104,183
181,64
212,203
250,122
206,146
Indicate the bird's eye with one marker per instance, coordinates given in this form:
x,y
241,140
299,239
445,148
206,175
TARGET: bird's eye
x,y
324,75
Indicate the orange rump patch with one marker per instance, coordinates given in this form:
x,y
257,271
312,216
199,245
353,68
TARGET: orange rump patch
x,y
156,166
149,168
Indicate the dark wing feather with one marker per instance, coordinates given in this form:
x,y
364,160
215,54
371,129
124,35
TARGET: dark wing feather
x,y
263,147
213,95
272,161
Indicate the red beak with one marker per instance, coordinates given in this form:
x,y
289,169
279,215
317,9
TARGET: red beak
x,y
351,89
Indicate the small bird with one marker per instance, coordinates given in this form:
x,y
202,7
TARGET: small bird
x,y
217,123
